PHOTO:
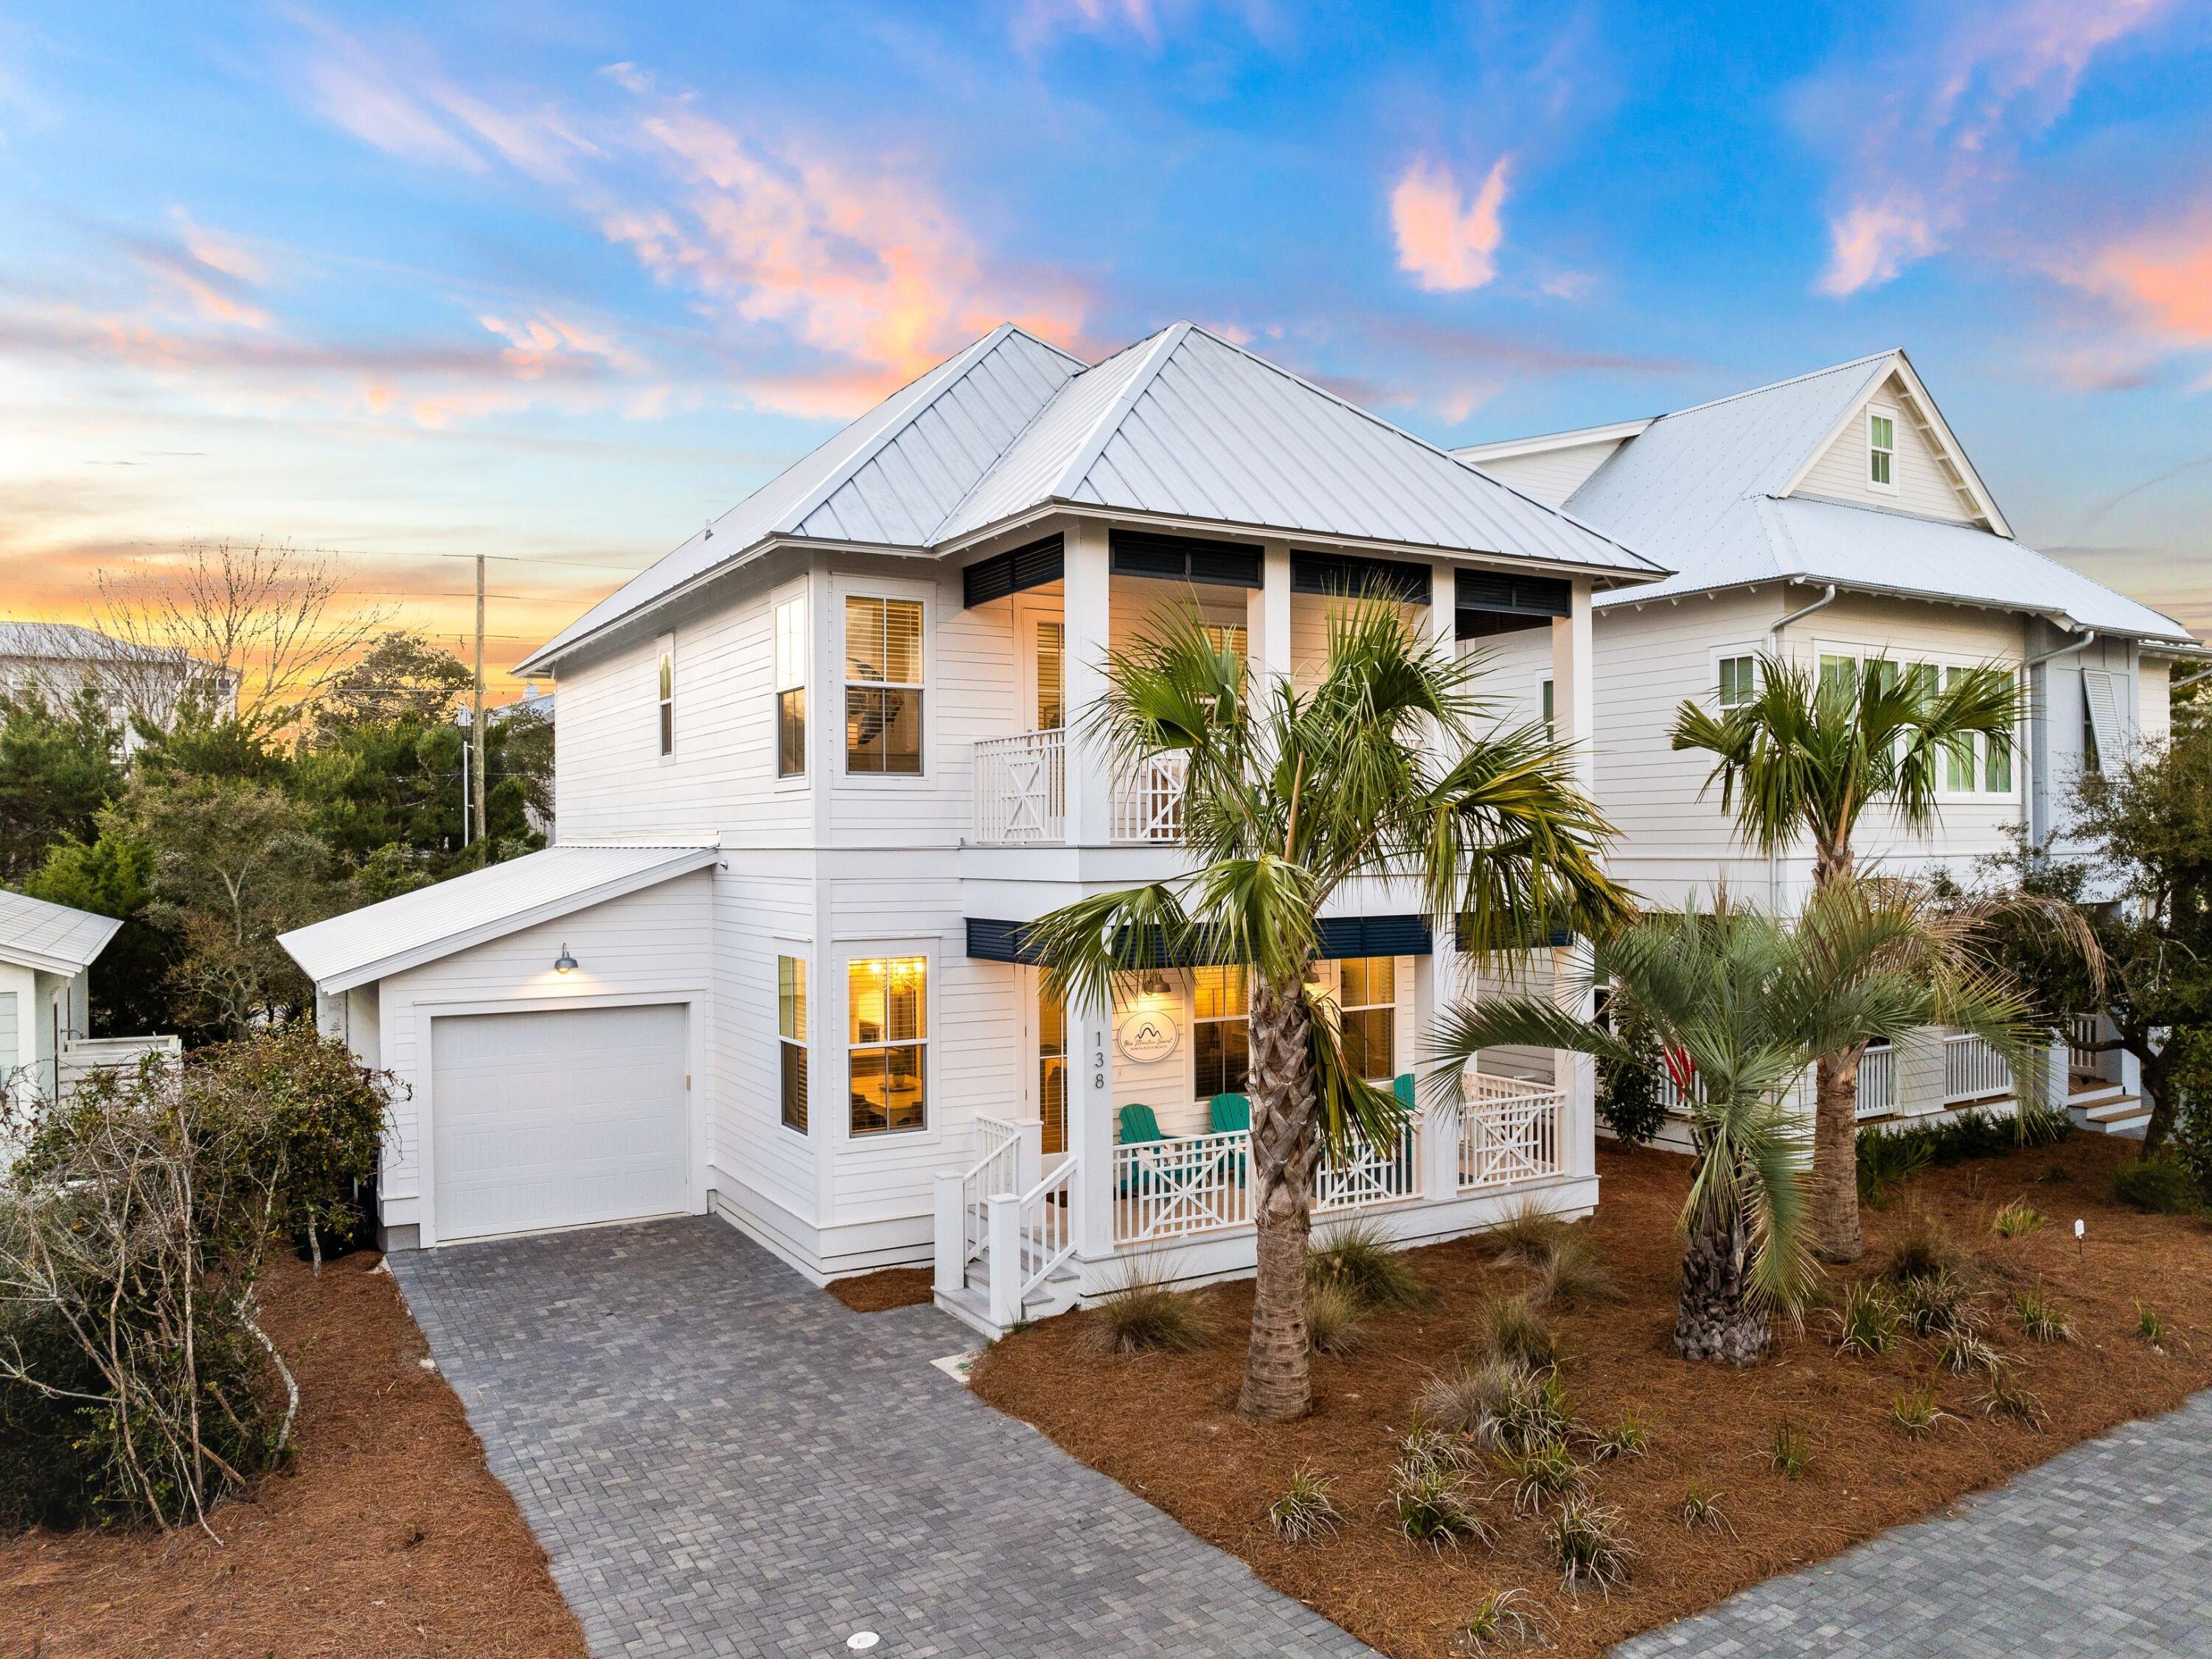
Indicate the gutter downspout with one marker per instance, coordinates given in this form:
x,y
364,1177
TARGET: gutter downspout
x,y
2035,713
1774,648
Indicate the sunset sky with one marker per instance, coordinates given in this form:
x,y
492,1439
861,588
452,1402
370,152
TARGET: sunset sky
x,y
557,282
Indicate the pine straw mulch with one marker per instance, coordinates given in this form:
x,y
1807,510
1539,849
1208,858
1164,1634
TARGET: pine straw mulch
x,y
1163,1425
387,1535
884,1289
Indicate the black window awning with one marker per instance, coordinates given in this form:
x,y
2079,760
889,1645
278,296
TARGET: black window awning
x,y
1340,937
1032,565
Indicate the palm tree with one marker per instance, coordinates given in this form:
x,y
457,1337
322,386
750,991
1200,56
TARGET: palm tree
x,y
1740,1003
1377,771
1806,755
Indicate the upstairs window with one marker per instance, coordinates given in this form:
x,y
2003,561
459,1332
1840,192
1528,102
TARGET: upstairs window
x,y
1739,677
791,1038
883,686
1881,451
790,688
667,683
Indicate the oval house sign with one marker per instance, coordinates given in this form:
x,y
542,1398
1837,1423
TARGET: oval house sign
x,y
1148,1035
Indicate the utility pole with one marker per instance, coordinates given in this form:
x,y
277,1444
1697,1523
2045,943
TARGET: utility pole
x,y
476,714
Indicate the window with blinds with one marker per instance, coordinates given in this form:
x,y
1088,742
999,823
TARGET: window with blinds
x,y
883,686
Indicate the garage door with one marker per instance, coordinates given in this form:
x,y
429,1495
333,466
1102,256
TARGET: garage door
x,y
557,1119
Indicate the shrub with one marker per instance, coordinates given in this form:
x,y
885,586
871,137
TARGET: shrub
x,y
1463,1401
1963,1352
1533,1409
1915,1411
1629,1101
2040,1315
1924,1248
1498,1620
1305,1513
1702,1508
1141,1313
1507,1327
1866,1322
1358,1258
1432,1506
1430,1446
1587,1546
1539,1472
1335,1318
1788,1453
2008,1396
1629,1438
1887,1160
1888,1156
2016,1219
1938,1304
2159,1186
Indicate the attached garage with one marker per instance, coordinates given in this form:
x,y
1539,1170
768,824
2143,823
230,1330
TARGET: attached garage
x,y
559,1118
549,1022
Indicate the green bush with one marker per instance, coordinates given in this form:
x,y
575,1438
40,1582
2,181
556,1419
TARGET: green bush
x,y
2161,1186
1887,1157
1629,1102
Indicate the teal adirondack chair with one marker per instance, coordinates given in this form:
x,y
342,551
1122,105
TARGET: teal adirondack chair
x,y
1231,1114
1136,1126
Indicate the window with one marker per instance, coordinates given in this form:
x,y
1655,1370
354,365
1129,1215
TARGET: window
x,y
667,695
1842,672
1881,451
1227,639
883,686
1220,1031
1051,650
1052,1072
888,1003
1367,1000
1739,678
791,1034
1545,694
790,688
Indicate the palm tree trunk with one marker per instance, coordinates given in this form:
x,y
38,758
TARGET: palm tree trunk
x,y
1717,1319
1833,1190
1286,1132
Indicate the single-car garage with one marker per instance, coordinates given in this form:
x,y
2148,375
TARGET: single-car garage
x,y
558,1118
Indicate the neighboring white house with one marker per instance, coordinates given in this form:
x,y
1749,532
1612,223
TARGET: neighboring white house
x,y
814,775
60,660
46,953
1832,518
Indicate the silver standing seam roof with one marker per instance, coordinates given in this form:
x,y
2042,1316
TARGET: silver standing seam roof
x,y
1702,490
1182,426
55,938
435,922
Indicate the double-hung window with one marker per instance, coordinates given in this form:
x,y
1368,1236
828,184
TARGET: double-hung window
x,y
1220,1031
1738,681
1881,450
1548,700
664,671
791,1039
887,999
791,687
1367,1002
883,686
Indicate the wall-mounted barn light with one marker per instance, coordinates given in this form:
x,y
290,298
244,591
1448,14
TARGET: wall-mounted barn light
x,y
564,963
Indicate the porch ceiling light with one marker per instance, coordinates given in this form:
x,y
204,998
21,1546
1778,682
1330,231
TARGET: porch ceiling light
x,y
1154,983
564,963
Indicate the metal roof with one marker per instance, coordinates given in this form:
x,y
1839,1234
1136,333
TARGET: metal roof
x,y
1707,491
67,643
1181,425
54,938
380,939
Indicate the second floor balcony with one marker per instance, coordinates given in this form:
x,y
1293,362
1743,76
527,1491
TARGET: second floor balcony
x,y
1021,793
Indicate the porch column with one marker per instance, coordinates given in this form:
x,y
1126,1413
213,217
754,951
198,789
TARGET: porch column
x,y
1574,719
1091,1127
1267,616
1085,643
1436,976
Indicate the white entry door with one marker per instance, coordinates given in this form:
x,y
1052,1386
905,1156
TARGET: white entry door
x,y
558,1119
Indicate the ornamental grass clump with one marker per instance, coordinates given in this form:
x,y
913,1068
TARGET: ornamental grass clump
x,y
2016,1219
1463,1400
2008,1396
2040,1315
1305,1513
1530,1410
1629,1438
1938,1304
1335,1318
1587,1546
1701,1507
1923,1249
1431,1505
1964,1352
1359,1261
1866,1320
1788,1452
1540,1475
1498,1621
2150,1326
1141,1313
1507,1327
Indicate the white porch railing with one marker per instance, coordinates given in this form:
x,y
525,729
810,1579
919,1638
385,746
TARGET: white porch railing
x,y
2082,1053
1509,1131
82,1056
1972,1070
1021,789
1877,1083
996,1170
1202,1183
1148,801
1032,1233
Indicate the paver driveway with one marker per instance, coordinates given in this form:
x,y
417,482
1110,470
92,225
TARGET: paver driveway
x,y
2104,1550
722,1459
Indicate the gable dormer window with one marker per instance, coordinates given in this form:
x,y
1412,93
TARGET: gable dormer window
x,y
1881,449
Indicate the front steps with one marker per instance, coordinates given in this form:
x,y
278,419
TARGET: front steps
x,y
2110,1111
971,1303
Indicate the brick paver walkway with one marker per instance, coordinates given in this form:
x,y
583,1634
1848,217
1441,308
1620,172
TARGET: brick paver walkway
x,y
721,1460
2104,1550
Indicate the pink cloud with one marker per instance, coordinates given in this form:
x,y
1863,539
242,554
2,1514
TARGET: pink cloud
x,y
1869,242
1448,241
2166,280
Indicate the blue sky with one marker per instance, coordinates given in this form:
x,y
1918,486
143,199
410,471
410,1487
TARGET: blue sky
x,y
558,282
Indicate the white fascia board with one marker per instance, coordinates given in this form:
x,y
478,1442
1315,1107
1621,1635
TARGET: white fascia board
x,y
68,967
1976,493
400,962
1618,432
1029,517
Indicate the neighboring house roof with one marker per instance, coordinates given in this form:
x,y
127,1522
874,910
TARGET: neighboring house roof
x,y
1711,491
1182,426
431,922
67,642
55,938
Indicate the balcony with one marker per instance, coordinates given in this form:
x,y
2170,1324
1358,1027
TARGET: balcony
x,y
1021,794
